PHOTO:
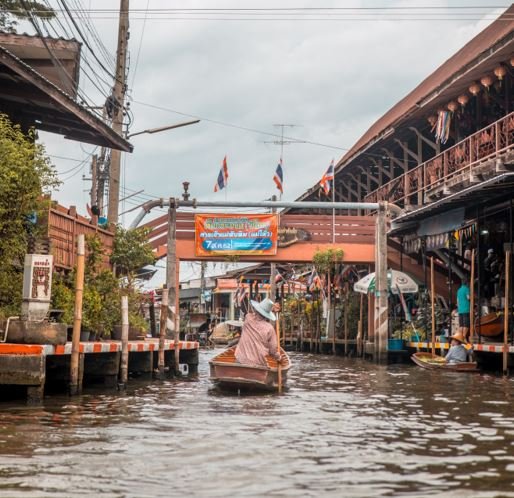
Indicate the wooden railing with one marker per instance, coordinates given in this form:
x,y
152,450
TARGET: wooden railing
x,y
412,187
63,227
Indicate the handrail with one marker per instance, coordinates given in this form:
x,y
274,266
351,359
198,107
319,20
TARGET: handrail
x,y
484,144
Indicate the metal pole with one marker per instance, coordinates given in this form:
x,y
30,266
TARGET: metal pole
x,y
162,332
472,298
334,210
124,342
371,206
77,319
273,266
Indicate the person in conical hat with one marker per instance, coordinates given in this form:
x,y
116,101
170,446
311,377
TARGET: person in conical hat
x,y
258,338
457,353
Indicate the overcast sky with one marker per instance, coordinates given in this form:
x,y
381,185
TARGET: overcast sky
x,y
332,79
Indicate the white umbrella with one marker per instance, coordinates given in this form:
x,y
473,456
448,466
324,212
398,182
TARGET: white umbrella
x,y
397,282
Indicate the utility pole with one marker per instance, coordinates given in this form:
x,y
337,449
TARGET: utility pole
x,y
119,91
94,188
203,266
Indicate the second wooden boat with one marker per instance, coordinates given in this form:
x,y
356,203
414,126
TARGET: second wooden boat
x,y
227,372
426,360
490,325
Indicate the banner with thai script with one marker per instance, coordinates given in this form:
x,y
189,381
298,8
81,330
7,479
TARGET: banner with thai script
x,y
235,234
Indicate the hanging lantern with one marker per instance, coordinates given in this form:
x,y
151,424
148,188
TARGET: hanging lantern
x,y
463,99
487,81
452,106
474,89
500,72
512,61
432,120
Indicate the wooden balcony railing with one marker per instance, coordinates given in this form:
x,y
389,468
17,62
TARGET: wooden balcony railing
x,y
459,161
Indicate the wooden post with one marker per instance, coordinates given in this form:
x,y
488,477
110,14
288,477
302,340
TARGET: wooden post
x,y
432,302
171,277
359,327
506,315
346,296
162,332
381,297
472,298
124,342
77,318
177,319
279,368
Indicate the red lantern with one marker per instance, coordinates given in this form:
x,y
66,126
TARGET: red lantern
x,y
474,89
452,106
500,72
487,81
463,99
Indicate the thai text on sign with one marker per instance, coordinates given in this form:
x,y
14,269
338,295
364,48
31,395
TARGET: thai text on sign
x,y
235,234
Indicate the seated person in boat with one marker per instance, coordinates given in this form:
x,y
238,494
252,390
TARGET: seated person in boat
x,y
457,352
258,338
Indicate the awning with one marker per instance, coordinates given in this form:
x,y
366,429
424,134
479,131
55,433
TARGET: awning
x,y
493,189
32,100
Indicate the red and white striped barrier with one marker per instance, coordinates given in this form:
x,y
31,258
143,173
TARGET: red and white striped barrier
x,y
92,347
488,348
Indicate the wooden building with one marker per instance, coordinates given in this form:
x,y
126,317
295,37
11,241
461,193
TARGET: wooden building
x,y
445,155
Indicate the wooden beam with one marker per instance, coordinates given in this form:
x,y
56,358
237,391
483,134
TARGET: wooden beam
x,y
395,160
436,147
408,152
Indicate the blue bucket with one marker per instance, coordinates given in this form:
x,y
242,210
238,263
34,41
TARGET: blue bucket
x,y
395,344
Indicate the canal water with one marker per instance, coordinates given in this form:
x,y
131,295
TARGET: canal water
x,y
344,428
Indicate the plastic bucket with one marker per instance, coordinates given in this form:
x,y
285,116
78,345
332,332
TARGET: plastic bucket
x,y
395,344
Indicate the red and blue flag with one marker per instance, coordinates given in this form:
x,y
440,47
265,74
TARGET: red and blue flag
x,y
278,178
222,181
327,178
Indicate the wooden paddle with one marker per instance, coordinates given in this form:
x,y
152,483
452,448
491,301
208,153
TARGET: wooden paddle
x,y
279,367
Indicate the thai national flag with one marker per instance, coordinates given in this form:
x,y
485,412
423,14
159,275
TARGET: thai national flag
x,y
327,178
222,176
278,178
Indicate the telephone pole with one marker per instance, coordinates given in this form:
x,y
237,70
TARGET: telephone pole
x,y
118,95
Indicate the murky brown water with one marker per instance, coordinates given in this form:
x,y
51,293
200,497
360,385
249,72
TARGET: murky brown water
x,y
345,428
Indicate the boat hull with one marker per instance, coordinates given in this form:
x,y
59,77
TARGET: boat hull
x,y
490,325
227,373
425,360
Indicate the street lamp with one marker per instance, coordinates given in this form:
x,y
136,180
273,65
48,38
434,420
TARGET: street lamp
x,y
114,181
163,128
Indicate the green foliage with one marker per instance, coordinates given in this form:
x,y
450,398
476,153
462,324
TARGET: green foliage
x,y
131,252
11,10
25,175
102,289
324,261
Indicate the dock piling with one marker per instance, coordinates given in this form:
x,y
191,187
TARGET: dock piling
x,y
75,385
124,342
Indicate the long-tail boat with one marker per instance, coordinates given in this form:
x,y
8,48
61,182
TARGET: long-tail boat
x,y
426,360
228,373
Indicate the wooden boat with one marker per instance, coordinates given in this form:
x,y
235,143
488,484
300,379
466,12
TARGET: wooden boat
x,y
426,360
490,325
226,372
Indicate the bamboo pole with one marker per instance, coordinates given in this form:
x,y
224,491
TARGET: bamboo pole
x,y
506,315
432,302
162,331
279,367
124,342
77,316
472,298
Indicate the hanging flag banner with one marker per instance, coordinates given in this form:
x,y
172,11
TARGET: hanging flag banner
x,y
235,234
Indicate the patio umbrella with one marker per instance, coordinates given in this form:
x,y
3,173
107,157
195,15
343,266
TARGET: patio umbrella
x,y
397,282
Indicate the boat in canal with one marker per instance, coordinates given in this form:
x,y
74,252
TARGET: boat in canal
x,y
490,325
226,372
426,360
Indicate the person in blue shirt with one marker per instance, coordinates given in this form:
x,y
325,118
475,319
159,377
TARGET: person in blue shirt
x,y
463,309
457,352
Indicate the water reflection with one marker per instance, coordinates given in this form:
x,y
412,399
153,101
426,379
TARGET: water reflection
x,y
344,428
